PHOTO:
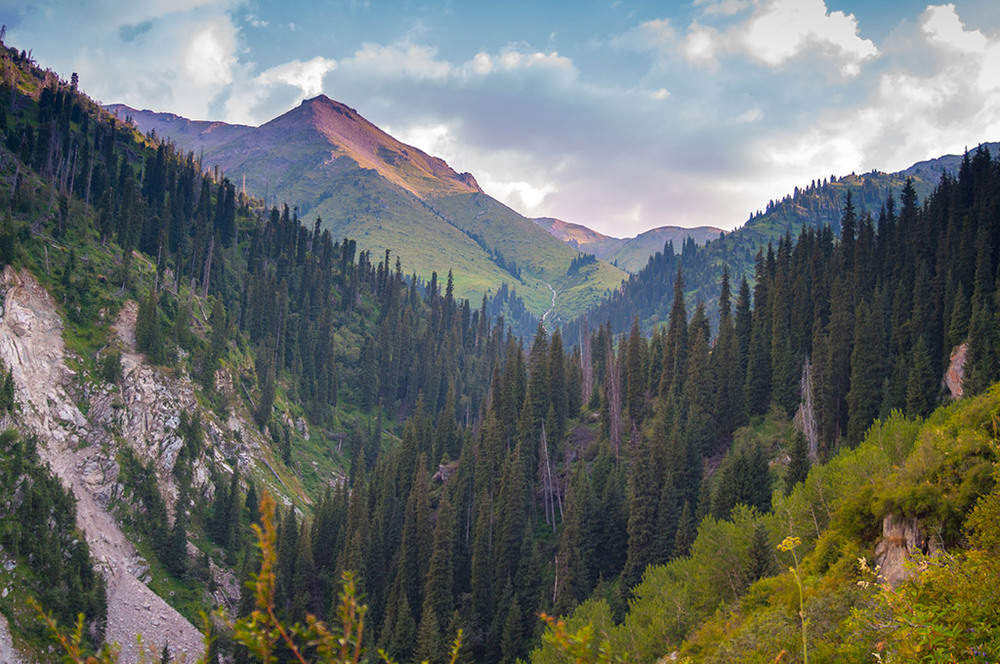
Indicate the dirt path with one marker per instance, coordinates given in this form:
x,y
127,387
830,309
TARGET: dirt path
x,y
31,345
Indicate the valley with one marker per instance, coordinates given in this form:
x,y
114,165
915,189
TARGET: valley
x,y
363,380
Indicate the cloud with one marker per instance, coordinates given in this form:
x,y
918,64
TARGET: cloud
x,y
272,91
175,56
722,7
772,34
208,55
917,108
405,59
783,29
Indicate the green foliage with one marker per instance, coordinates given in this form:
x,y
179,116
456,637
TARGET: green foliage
x,y
38,533
110,365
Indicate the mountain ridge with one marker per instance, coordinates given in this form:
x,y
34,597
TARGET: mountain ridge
x,y
332,164
630,253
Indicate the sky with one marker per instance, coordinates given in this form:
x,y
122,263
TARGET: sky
x,y
621,115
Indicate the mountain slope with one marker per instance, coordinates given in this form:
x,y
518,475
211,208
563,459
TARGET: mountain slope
x,y
333,164
631,253
820,204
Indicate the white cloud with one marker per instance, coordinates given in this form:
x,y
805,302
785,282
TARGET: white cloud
x,y
294,81
525,197
950,102
775,32
165,55
208,55
722,7
784,29
701,45
752,115
435,139
404,59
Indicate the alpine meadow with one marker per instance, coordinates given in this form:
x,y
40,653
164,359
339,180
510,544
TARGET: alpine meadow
x,y
289,388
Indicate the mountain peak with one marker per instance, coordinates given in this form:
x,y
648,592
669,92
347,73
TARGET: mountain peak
x,y
322,100
346,133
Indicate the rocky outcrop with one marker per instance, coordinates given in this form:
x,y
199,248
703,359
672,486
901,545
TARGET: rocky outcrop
x,y
8,653
902,538
955,374
31,344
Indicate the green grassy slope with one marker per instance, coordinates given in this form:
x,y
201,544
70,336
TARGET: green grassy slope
x,y
537,253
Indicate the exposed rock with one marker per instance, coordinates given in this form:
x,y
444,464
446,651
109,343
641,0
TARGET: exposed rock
x,y
8,653
955,374
31,345
445,472
901,539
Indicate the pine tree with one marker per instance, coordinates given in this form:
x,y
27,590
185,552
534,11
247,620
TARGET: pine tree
x,y
558,388
643,498
743,479
921,389
982,363
148,335
635,385
675,344
724,365
438,601
761,561
758,379
799,464
685,531
576,544
867,373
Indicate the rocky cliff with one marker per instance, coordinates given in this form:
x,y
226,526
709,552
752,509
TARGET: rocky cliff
x,y
81,424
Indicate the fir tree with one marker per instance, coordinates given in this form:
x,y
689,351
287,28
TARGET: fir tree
x,y
799,464
761,560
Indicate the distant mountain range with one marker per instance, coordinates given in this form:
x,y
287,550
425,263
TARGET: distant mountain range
x,y
647,294
331,163
631,253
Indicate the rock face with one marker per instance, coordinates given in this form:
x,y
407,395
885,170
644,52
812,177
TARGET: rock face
x,y
901,539
956,370
31,345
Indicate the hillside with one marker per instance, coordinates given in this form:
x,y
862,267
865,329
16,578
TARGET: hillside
x,y
890,548
819,205
331,163
630,254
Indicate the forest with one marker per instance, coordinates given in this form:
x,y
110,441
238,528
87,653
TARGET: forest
x,y
488,477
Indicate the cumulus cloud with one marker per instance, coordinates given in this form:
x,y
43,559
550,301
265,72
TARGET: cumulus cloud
x,y
783,29
772,33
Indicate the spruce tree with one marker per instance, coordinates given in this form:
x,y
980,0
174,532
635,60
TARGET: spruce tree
x,y
867,373
558,388
799,464
724,366
921,389
761,560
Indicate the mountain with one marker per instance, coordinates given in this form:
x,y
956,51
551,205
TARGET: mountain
x,y
335,165
630,254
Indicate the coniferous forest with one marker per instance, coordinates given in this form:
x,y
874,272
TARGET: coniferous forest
x,y
639,483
